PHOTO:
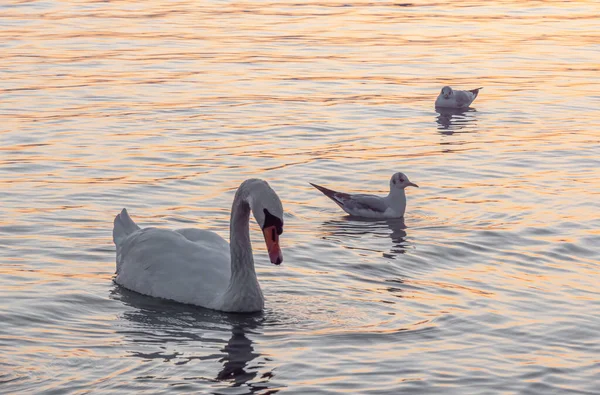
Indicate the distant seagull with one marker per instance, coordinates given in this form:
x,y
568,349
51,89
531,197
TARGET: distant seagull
x,y
371,206
449,98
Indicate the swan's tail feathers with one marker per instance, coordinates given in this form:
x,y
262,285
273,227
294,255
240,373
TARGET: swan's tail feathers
x,y
124,226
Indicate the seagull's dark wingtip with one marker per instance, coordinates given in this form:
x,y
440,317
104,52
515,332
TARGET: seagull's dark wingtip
x,y
325,191
475,92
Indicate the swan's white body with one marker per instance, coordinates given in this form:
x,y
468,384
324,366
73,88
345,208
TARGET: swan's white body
x,y
197,266
371,206
449,98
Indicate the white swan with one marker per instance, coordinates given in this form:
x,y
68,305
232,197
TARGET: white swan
x,y
198,266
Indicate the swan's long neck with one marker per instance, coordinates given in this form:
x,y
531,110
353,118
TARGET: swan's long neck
x,y
242,261
243,286
397,200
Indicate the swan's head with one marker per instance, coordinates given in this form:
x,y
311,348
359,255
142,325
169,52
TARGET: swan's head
x,y
400,181
268,212
446,92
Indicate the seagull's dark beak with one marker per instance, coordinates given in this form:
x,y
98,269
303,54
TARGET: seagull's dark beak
x,y
412,184
272,241
446,96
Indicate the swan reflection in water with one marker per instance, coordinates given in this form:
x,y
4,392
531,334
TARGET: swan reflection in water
x,y
175,333
451,120
350,230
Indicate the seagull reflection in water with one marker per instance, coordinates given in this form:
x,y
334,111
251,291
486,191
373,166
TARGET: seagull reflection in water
x,y
354,228
169,325
452,120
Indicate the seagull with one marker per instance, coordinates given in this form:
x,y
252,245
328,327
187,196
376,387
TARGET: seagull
x,y
449,98
371,206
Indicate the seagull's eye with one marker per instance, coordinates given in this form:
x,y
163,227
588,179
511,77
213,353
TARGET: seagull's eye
x,y
401,180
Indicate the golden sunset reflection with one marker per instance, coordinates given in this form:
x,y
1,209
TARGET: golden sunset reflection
x,y
489,283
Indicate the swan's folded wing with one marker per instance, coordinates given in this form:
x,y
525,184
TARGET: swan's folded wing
x,y
151,247
202,235
164,263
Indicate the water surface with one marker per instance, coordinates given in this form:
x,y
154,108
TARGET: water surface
x,y
489,285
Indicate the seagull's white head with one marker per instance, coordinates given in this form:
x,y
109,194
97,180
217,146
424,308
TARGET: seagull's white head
x,y
447,92
400,181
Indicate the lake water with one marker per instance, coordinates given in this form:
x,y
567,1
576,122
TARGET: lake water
x,y
488,286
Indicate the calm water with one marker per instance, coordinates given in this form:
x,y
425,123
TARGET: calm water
x,y
489,285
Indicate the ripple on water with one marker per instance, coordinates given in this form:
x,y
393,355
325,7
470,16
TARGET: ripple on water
x,y
487,286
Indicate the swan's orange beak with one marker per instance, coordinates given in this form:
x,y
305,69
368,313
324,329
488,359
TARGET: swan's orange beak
x,y
272,240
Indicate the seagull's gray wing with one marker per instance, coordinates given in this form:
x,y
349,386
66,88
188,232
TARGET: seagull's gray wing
x,y
354,202
463,98
366,202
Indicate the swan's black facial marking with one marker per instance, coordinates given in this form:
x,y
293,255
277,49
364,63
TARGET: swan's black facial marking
x,y
271,220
